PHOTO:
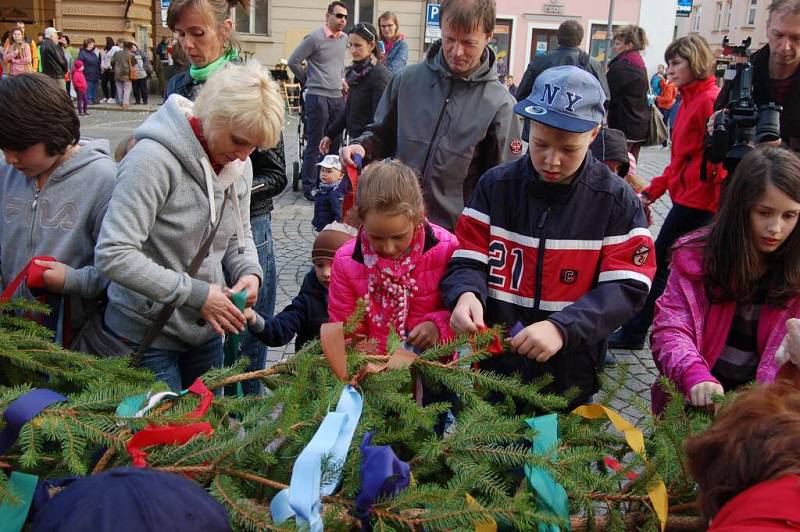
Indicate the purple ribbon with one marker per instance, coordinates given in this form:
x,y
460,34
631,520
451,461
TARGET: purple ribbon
x,y
23,409
515,330
382,473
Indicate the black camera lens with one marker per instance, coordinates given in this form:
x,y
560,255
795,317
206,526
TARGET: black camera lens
x,y
768,127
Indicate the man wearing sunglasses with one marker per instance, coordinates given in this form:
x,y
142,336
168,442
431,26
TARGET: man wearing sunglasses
x,y
447,116
323,50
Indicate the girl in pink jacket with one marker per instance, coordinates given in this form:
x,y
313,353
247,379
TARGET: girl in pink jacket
x,y
733,286
395,263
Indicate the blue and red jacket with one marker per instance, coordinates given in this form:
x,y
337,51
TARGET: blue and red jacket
x,y
578,254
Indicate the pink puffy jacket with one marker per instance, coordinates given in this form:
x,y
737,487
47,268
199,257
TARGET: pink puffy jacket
x,y
689,332
349,283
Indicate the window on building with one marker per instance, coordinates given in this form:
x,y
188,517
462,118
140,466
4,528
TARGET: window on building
x,y
360,11
751,12
696,18
501,44
718,17
727,17
599,41
253,21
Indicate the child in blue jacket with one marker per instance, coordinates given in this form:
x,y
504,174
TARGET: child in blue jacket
x,y
309,309
329,198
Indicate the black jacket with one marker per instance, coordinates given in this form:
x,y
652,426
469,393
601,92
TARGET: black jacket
x,y
628,109
51,55
362,100
762,94
303,317
269,166
579,255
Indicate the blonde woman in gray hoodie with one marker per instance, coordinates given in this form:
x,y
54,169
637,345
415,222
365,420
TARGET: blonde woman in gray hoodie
x,y
188,175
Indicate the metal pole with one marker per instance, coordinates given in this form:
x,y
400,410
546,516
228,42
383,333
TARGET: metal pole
x,y
609,32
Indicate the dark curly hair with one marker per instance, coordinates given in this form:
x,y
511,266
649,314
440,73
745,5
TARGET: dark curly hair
x,y
41,111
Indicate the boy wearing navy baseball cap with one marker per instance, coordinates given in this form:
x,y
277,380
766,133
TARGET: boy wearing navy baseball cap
x,y
554,245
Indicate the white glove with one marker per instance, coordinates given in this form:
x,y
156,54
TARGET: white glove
x,y
702,393
789,349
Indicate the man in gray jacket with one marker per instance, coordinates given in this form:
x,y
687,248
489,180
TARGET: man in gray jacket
x,y
323,51
54,191
448,117
570,36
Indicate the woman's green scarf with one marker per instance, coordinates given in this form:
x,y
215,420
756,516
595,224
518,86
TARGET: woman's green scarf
x,y
200,74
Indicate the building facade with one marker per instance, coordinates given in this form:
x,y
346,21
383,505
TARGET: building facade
x,y
735,19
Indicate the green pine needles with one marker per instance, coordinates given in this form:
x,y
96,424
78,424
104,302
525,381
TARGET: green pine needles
x,y
249,456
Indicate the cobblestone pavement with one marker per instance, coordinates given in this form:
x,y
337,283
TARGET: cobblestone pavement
x,y
293,237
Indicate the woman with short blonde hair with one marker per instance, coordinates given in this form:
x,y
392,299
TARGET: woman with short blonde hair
x,y
180,212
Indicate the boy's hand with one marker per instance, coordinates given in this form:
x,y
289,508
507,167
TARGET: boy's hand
x,y
250,315
424,335
467,317
539,341
702,393
54,276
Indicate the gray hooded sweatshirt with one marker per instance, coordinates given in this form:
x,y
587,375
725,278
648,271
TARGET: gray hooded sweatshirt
x,y
61,220
158,217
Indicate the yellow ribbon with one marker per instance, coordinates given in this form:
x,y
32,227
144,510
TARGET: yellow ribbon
x,y
658,494
483,526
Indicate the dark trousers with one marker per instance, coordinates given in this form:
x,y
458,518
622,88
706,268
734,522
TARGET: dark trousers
x,y
320,111
679,221
140,90
108,84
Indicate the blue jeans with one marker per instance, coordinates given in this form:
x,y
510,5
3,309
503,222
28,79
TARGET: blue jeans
x,y
679,221
91,91
320,111
179,369
265,305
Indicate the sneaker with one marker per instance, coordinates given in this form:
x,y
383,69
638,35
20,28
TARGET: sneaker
x,y
619,340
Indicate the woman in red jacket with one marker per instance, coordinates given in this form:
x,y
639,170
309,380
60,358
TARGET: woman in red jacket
x,y
695,197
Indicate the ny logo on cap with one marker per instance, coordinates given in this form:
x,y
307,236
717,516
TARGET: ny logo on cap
x,y
550,93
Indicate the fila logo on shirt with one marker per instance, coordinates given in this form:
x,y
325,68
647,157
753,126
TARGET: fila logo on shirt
x,y
550,93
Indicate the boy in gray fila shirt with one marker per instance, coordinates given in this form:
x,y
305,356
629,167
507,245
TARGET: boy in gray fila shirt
x,y
54,190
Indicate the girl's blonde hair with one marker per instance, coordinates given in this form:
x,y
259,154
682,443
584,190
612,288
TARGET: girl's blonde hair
x,y
390,187
241,98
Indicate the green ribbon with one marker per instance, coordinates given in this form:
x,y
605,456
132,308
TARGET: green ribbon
x,y
233,344
552,496
12,518
201,74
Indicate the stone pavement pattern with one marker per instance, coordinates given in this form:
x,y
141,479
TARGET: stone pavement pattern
x,y
293,237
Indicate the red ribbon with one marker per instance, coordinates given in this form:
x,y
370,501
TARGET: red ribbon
x,y
172,434
495,347
350,197
614,464
32,274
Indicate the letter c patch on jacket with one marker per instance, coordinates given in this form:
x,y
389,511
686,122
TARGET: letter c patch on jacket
x,y
569,276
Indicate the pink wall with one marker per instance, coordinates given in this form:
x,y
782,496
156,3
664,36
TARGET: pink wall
x,y
528,14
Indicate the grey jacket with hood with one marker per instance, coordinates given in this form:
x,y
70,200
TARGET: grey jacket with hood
x,y
450,129
158,217
61,220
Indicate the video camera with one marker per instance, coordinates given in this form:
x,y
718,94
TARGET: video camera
x,y
743,124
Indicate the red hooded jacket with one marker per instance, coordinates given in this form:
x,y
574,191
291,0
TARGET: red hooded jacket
x,y
770,505
682,176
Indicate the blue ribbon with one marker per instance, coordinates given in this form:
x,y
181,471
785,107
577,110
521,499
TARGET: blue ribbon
x,y
301,499
382,473
551,495
23,409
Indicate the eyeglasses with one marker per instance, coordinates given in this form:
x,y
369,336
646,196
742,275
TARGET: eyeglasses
x,y
340,16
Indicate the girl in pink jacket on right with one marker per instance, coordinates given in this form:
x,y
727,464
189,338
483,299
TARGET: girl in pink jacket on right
x,y
395,263
733,286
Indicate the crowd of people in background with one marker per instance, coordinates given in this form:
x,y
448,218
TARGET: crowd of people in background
x,y
453,225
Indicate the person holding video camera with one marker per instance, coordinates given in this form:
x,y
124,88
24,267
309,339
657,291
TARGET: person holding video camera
x,y
775,73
